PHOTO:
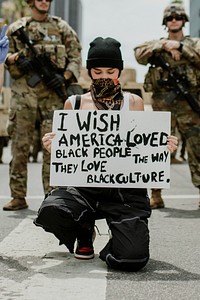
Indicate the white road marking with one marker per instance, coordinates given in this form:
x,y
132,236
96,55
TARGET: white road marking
x,y
52,273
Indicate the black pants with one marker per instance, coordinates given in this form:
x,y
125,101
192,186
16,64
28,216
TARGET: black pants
x,y
126,212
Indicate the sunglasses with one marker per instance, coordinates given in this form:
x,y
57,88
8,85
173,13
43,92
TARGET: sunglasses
x,y
176,17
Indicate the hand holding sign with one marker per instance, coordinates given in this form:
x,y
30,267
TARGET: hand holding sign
x,y
172,143
47,140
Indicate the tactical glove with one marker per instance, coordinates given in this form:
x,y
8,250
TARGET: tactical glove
x,y
23,62
4,44
56,82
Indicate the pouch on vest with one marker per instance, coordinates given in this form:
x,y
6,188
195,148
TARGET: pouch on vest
x,y
61,56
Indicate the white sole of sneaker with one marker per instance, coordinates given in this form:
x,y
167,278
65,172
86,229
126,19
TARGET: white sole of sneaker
x,y
84,257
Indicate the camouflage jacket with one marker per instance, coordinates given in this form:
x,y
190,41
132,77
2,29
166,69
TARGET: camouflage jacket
x,y
54,36
188,66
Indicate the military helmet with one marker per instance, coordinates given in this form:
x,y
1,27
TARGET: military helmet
x,y
174,8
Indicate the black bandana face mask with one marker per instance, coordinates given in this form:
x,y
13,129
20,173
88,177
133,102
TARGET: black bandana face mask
x,y
106,93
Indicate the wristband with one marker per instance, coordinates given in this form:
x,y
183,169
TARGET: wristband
x,y
180,47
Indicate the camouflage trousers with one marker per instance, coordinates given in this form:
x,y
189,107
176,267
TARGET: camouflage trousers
x,y
22,118
188,124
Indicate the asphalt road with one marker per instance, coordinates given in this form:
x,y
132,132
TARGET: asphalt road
x,y
33,266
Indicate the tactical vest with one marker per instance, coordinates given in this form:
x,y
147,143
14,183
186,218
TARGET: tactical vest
x,y
46,37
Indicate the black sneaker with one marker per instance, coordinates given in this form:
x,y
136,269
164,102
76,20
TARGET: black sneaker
x,y
84,252
84,249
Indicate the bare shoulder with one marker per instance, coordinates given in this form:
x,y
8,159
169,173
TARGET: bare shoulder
x,y
67,104
85,99
136,102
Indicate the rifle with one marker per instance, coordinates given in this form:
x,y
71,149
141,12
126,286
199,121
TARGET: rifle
x,y
179,83
44,68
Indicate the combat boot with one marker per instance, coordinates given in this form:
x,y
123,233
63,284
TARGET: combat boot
x,y
156,200
16,204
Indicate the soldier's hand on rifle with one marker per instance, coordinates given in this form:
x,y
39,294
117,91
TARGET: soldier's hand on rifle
x,y
56,82
4,44
23,62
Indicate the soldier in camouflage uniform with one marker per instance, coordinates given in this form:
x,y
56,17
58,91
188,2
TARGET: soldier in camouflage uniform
x,y
53,37
182,53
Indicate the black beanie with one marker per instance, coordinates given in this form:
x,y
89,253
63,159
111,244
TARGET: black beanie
x,y
104,53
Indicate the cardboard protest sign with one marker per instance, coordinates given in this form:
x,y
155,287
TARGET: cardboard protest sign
x,y
110,149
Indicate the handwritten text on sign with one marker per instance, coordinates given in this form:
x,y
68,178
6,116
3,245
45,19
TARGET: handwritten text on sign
x,y
110,149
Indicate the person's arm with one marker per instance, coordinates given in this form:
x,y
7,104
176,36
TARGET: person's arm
x,y
67,105
73,50
146,50
17,61
136,103
190,50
